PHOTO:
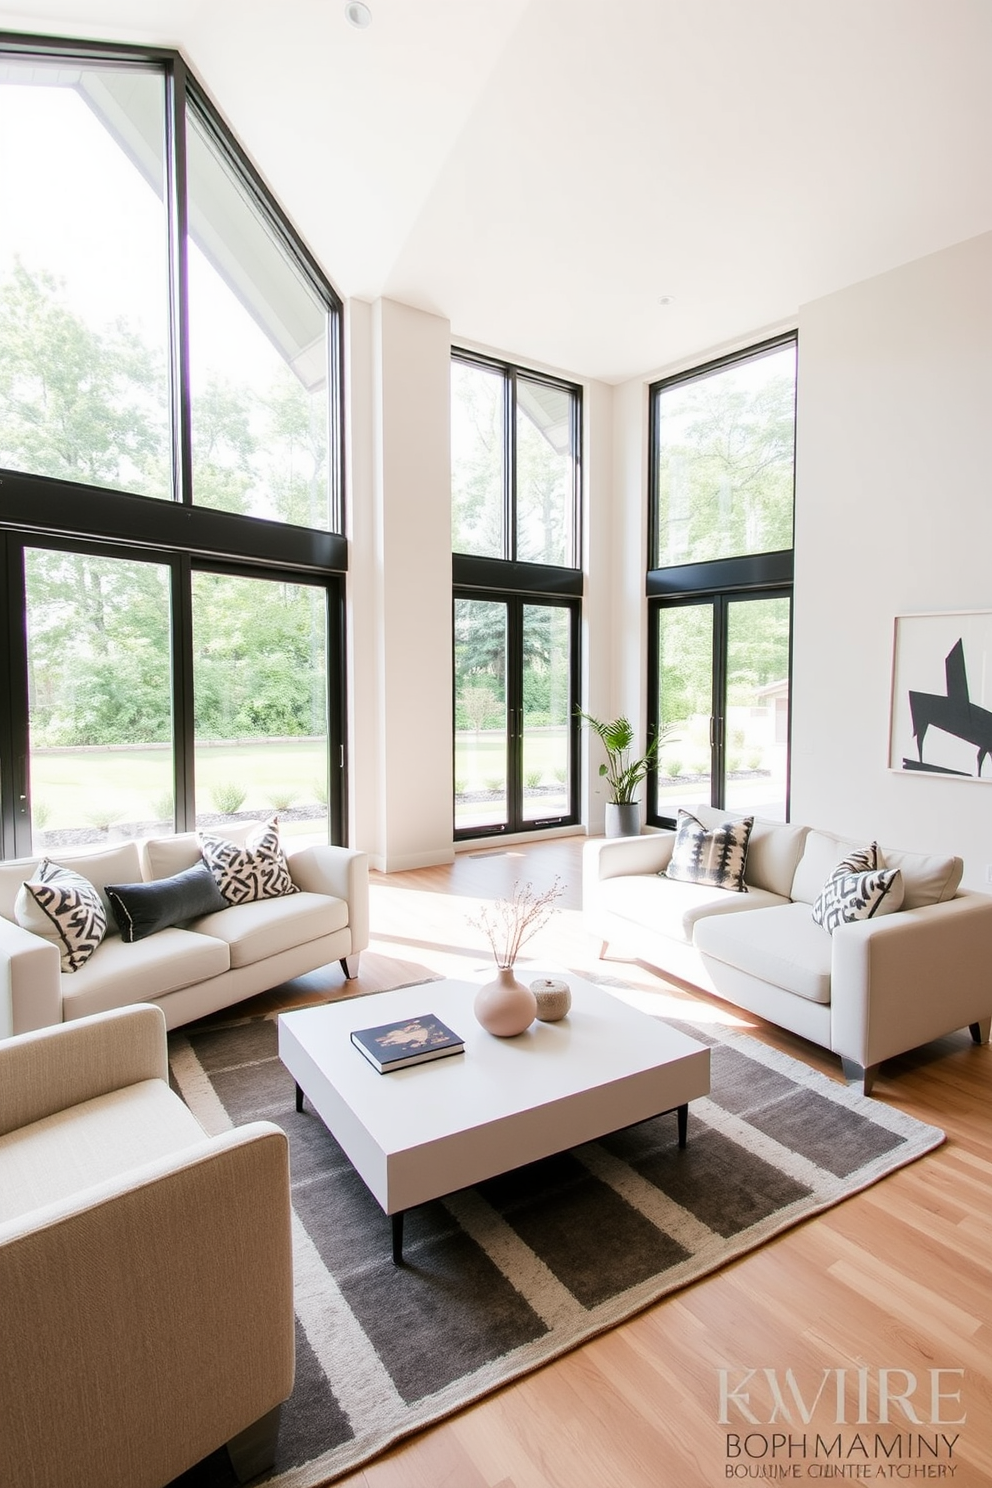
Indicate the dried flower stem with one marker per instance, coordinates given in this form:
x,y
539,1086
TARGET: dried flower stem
x,y
509,923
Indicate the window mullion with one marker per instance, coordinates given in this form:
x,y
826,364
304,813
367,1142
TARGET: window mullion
x,y
176,207
510,428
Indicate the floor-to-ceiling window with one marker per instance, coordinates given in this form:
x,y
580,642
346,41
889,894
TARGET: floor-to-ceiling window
x,y
170,486
722,442
515,440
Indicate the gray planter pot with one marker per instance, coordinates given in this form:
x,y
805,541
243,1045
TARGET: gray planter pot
x,y
623,818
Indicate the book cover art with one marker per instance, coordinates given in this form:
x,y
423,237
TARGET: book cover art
x,y
409,1041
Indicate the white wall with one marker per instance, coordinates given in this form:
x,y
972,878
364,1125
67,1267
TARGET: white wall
x,y
893,516
400,585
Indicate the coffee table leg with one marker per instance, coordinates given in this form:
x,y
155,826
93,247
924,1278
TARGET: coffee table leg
x,y
398,1238
683,1118
299,1098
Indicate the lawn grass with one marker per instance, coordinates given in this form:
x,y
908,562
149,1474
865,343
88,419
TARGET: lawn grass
x,y
99,787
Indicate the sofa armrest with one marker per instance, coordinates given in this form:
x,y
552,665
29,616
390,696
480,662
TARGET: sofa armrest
x,y
157,1301
612,857
342,872
909,977
51,1069
30,980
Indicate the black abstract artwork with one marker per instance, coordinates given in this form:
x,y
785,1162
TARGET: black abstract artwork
x,y
952,712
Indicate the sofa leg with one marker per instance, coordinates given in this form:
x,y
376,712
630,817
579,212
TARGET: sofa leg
x,y
349,965
854,1074
980,1031
253,1450
604,947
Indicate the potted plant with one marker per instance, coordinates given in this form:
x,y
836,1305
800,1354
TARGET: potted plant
x,y
623,771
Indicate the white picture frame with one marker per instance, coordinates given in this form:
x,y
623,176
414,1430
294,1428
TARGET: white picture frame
x,y
940,717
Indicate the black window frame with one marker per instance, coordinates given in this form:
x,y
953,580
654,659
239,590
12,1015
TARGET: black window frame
x,y
51,511
756,575
545,574
511,580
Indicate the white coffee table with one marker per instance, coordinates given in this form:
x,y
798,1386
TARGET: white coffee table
x,y
418,1133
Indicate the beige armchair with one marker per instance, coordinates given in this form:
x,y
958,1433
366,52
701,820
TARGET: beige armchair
x,y
145,1268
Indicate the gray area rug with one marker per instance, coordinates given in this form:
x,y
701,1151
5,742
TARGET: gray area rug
x,y
506,1276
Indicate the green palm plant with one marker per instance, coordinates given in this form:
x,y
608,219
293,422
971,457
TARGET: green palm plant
x,y
624,771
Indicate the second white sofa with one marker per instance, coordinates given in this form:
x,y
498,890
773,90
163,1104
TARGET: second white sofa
x,y
872,989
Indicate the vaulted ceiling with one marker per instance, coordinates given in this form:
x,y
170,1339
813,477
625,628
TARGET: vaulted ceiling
x,y
544,172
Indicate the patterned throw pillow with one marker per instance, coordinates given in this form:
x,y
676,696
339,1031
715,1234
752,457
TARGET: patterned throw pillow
x,y
64,908
859,888
256,871
714,856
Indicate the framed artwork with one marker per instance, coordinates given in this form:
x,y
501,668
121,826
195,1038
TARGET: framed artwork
x,y
941,706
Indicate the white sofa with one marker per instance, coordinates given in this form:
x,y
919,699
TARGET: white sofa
x,y
869,991
195,969
146,1268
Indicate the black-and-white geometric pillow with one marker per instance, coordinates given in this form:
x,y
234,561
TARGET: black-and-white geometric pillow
x,y
258,870
858,889
64,908
714,856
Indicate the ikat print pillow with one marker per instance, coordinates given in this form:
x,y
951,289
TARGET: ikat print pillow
x,y
860,888
62,907
258,870
713,856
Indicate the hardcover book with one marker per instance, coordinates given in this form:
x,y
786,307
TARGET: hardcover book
x,y
411,1041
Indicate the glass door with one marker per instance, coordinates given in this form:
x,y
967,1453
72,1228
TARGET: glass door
x,y
515,667
720,671
100,722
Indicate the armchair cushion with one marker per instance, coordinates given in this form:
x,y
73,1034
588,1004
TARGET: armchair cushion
x,y
71,1150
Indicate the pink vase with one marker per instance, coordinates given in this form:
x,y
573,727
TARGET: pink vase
x,y
505,1006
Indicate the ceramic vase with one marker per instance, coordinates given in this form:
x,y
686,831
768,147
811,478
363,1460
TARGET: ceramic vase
x,y
505,1006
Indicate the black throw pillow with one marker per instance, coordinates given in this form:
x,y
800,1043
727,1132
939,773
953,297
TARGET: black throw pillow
x,y
141,909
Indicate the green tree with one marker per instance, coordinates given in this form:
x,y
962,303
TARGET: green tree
x,y
725,468
75,402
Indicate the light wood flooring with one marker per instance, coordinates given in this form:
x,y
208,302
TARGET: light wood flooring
x,y
898,1277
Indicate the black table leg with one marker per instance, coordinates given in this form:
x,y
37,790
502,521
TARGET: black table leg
x,y
299,1098
398,1238
683,1118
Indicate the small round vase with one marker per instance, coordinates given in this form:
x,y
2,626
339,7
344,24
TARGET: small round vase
x,y
554,998
505,1006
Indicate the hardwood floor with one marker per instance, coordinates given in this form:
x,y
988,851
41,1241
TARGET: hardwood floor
x,y
896,1278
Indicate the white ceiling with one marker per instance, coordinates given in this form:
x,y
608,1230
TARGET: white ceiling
x,y
540,172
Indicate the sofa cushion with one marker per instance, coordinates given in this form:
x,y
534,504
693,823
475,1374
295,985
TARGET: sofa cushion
x,y
782,946
773,849
117,973
119,864
64,908
142,909
268,926
927,878
714,856
89,1143
256,870
669,908
165,856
